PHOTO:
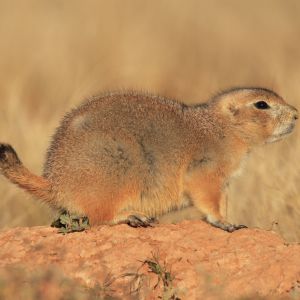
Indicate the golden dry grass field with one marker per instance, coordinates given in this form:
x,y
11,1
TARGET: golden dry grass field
x,y
55,53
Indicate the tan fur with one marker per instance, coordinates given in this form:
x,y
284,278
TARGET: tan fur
x,y
132,154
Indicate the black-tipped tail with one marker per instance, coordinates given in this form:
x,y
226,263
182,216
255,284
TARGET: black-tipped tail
x,y
13,169
8,158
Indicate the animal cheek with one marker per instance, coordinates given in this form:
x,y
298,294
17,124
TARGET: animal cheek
x,y
270,130
267,128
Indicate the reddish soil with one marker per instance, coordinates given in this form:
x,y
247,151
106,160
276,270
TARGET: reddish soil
x,y
204,262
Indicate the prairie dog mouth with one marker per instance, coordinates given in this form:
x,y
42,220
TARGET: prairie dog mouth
x,y
278,136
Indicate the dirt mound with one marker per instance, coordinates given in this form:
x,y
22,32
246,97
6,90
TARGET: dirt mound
x,y
190,260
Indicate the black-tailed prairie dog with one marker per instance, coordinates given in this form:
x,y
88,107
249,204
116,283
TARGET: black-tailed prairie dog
x,y
130,157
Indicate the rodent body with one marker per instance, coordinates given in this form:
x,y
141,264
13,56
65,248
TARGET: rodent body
x,y
129,157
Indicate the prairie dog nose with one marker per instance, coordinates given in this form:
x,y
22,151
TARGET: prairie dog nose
x,y
296,114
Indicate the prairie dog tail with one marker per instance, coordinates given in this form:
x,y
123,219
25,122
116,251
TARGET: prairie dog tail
x,y
13,169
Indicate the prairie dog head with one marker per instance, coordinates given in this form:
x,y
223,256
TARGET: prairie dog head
x,y
257,115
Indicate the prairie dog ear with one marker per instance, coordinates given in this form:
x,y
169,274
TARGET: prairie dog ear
x,y
233,109
229,107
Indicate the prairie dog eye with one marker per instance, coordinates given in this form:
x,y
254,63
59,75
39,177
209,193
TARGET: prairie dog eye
x,y
261,105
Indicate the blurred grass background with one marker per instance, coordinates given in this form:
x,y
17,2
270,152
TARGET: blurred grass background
x,y
55,53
